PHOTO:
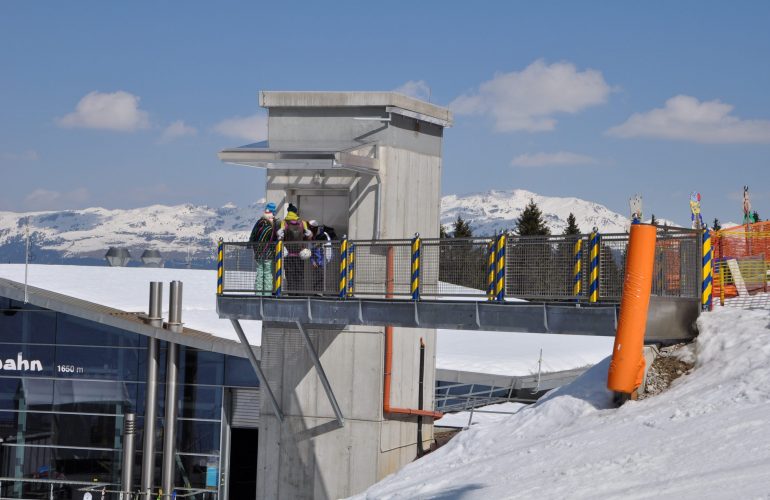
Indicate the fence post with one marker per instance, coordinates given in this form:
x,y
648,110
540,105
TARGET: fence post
x,y
491,269
593,268
278,273
343,267
577,269
500,268
351,268
220,266
415,282
706,272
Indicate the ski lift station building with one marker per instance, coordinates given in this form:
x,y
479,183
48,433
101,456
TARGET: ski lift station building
x,y
369,165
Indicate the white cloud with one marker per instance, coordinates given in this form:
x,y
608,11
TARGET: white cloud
x,y
550,159
528,99
250,128
118,111
176,130
685,118
28,155
44,199
418,89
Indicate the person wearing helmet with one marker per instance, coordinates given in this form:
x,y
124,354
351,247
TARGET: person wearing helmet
x,y
293,232
262,239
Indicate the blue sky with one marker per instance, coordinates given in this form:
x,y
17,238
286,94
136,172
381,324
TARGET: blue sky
x,y
126,104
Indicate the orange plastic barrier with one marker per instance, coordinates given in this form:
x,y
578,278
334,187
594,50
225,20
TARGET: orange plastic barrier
x,y
627,365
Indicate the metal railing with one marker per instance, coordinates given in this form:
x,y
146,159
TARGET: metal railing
x,y
574,268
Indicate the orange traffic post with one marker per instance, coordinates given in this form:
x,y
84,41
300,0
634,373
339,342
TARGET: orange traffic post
x,y
627,365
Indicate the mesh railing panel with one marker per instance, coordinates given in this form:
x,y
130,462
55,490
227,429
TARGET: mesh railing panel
x,y
536,267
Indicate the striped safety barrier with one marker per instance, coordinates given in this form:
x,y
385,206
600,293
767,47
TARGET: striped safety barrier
x,y
220,266
415,285
707,272
351,268
577,270
491,270
593,268
500,268
278,273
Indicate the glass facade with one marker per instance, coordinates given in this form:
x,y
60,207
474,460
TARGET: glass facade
x,y
65,386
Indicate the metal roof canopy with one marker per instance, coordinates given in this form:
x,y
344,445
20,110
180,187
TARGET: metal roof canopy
x,y
128,321
304,156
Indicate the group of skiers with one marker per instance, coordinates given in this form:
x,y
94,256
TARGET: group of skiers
x,y
293,231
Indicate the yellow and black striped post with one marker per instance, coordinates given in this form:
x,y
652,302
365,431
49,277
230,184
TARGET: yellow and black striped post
x,y
500,268
491,269
220,266
416,267
278,272
577,269
343,267
351,268
593,268
707,272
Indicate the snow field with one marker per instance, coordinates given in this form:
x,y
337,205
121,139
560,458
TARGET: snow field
x,y
707,436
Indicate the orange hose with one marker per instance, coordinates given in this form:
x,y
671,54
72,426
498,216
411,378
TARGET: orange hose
x,y
386,408
627,365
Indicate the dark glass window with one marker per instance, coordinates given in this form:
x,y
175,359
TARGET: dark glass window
x,y
196,436
27,326
90,396
25,393
89,431
86,465
26,359
193,469
200,402
97,362
238,372
200,367
34,428
77,331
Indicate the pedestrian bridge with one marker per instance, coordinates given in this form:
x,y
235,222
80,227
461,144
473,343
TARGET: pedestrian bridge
x,y
569,284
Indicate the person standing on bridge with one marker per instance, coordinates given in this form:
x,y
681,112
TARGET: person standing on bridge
x,y
263,237
294,231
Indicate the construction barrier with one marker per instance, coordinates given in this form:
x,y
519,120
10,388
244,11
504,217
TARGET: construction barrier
x,y
740,264
627,366
491,252
351,268
706,272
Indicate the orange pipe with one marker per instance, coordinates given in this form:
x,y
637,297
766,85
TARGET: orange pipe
x,y
627,365
386,408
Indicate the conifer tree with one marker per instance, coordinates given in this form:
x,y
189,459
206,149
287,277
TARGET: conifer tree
x,y
462,229
654,221
716,226
755,216
572,227
531,222
442,232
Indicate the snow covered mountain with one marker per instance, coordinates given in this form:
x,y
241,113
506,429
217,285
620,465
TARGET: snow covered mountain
x,y
498,210
188,233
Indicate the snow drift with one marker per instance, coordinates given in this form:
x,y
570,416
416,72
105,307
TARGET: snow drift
x,y
707,436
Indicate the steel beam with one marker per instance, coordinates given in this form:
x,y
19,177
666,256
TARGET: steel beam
x,y
321,374
263,385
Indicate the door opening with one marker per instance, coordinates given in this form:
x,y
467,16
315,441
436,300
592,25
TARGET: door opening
x,y
243,463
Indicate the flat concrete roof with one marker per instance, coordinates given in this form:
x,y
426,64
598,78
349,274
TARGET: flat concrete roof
x,y
317,99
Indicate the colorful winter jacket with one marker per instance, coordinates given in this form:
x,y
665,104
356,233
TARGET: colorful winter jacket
x,y
263,236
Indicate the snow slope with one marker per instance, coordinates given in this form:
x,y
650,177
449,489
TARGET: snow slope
x,y
708,436
127,288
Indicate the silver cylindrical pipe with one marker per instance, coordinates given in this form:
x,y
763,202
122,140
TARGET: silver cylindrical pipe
x,y
155,314
129,449
169,430
175,306
150,403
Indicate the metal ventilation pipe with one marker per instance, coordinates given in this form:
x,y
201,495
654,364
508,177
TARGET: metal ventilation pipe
x,y
169,430
155,317
129,449
175,307
150,403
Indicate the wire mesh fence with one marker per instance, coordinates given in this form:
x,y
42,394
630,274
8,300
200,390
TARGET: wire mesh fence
x,y
535,267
